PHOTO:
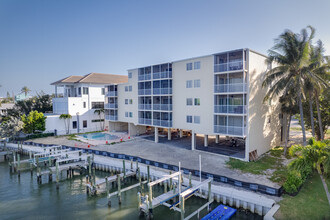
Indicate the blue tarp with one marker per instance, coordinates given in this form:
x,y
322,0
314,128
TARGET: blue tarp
x,y
221,212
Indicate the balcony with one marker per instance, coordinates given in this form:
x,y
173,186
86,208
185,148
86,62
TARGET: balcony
x,y
230,66
162,91
162,107
145,106
111,117
145,77
230,88
162,75
145,121
112,93
144,91
111,105
230,109
230,130
163,123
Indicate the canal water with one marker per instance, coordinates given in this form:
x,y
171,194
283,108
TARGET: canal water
x,y
23,198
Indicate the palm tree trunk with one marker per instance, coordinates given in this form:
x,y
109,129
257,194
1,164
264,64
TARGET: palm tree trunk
x,y
319,115
287,137
311,112
302,117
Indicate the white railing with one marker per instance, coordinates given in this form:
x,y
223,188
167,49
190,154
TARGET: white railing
x,y
162,91
145,121
230,130
145,106
230,109
230,66
225,88
162,107
145,77
111,117
144,91
162,75
112,93
163,123
111,105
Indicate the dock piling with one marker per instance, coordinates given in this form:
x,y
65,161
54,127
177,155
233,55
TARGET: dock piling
x,y
119,188
148,172
57,176
108,191
190,185
19,165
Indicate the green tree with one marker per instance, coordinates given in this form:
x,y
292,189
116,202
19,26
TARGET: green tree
x,y
100,112
66,118
25,90
34,121
291,53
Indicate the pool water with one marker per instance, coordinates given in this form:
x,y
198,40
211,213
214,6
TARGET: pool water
x,y
99,136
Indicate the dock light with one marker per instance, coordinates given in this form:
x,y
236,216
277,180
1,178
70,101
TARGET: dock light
x,y
89,146
106,142
121,140
129,137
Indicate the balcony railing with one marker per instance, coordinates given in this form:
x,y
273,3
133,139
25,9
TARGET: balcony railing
x,y
145,77
145,106
111,105
111,117
230,66
145,121
225,88
230,130
162,107
163,123
112,93
230,109
162,75
162,91
144,91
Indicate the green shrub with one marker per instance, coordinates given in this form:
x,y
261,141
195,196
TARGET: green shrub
x,y
293,182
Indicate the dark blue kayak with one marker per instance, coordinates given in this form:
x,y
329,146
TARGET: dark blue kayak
x,y
221,212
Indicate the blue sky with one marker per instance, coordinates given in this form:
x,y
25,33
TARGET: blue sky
x,y
42,41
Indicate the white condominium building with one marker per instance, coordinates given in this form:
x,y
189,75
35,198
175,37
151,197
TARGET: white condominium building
x,y
214,103
80,96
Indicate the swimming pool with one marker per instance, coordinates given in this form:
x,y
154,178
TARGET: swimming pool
x,y
99,136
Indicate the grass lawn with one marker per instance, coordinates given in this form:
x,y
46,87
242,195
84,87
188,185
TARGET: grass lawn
x,y
270,161
310,203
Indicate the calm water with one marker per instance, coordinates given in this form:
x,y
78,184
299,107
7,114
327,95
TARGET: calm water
x,y
99,136
24,199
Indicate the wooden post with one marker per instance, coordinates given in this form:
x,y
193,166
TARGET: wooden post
x,y
182,207
148,172
50,177
89,168
150,200
171,185
87,187
190,185
209,196
119,188
139,173
93,176
57,176
165,186
14,163
108,191
139,199
124,169
19,165
131,164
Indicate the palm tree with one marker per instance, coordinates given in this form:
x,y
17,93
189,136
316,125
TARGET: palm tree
x,y
291,54
99,112
66,118
25,90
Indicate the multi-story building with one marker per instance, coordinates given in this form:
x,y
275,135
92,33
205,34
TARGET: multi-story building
x,y
218,96
80,96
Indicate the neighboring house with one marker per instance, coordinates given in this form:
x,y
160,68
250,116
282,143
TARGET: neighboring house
x,y
218,95
4,108
21,97
81,96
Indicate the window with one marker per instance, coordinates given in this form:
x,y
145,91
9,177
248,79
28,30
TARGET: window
x,y
131,101
189,66
126,101
189,84
197,101
189,101
84,124
97,105
126,88
130,75
97,120
84,104
79,91
131,114
85,90
102,91
74,124
189,119
197,65
126,114
130,88
197,83
197,119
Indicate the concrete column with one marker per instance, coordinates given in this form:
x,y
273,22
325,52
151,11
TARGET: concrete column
x,y
156,135
217,139
181,133
206,140
193,140
169,134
